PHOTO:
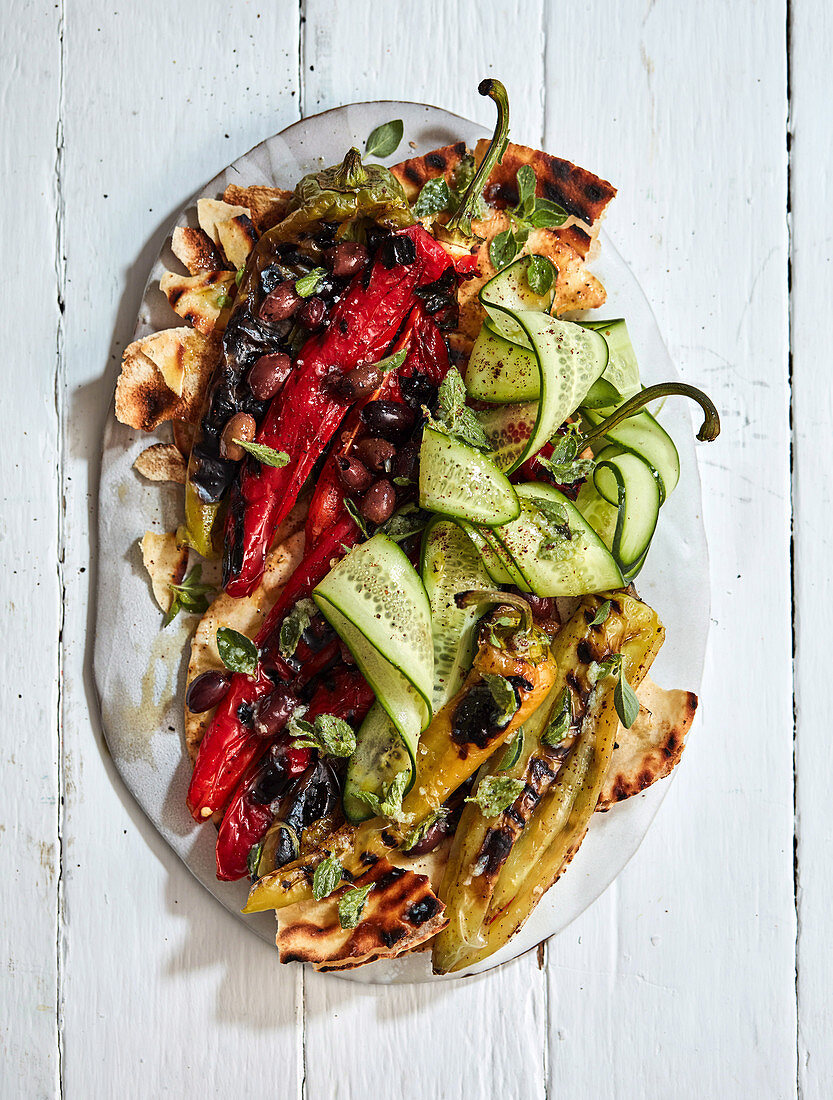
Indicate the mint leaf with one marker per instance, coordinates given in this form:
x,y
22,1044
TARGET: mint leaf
x,y
405,522
327,733
527,182
502,249
392,362
494,793
546,215
434,198
191,595
418,832
601,615
308,284
266,456
294,625
625,701
356,515
237,652
351,905
253,859
504,697
327,877
454,417
391,804
385,139
540,273
560,721
568,473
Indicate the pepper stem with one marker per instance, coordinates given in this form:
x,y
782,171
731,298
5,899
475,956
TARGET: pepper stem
x,y
351,173
458,229
477,596
709,429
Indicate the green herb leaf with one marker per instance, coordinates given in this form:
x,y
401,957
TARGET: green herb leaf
x,y
599,671
327,877
266,456
191,595
504,696
494,793
568,473
402,482
253,859
237,652
223,300
294,625
560,721
308,284
454,417
407,521
358,518
385,139
527,182
540,273
392,362
238,278
625,701
546,215
601,615
351,905
513,752
418,832
328,734
434,198
503,249
390,805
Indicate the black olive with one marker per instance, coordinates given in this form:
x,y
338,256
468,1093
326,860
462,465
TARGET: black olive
x,y
388,419
207,690
417,390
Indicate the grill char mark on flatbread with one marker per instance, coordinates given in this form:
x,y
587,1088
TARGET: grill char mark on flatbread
x,y
400,913
195,250
414,173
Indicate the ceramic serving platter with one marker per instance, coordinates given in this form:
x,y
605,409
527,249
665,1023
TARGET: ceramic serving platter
x,y
140,668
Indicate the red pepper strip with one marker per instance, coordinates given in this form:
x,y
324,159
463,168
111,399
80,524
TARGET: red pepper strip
x,y
467,265
246,820
303,416
229,746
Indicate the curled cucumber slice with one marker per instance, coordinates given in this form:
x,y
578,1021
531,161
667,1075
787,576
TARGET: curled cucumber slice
x,y
375,601
629,483
460,481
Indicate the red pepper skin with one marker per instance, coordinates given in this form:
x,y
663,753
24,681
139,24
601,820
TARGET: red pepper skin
x,y
303,416
247,821
229,745
467,265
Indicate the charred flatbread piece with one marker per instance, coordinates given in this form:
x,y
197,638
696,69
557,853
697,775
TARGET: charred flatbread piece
x,y
652,747
164,376
244,615
583,195
401,912
162,462
266,205
195,250
237,239
415,172
166,561
212,211
198,299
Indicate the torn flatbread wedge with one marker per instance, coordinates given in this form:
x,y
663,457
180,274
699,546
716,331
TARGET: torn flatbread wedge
x,y
162,462
199,299
164,376
210,212
195,250
166,561
238,237
266,205
652,747
400,913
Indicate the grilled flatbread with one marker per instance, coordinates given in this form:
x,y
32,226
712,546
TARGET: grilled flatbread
x,y
164,376
266,205
401,912
162,462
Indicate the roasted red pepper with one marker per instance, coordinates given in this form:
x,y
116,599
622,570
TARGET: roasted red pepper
x,y
303,417
247,819
230,744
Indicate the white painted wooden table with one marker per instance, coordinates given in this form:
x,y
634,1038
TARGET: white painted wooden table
x,y
705,970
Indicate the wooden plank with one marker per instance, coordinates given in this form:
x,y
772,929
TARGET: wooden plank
x,y
30,572
679,981
163,991
416,1041
812,229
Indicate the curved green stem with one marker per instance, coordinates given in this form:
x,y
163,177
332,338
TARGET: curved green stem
x,y
458,229
709,429
477,596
